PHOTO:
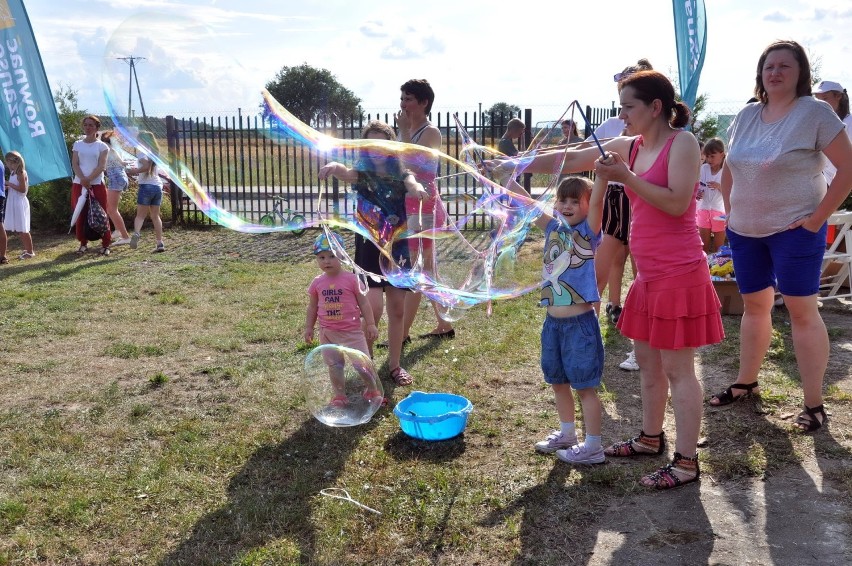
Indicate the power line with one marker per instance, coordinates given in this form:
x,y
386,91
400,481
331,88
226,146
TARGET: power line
x,y
131,60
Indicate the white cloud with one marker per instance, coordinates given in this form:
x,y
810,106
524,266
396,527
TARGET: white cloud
x,y
374,29
777,16
217,54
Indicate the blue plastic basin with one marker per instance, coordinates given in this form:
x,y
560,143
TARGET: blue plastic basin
x,y
433,416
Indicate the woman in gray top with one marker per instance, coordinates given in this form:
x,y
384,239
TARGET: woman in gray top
x,y
777,203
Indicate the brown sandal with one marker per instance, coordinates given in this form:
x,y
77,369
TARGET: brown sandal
x,y
667,478
401,377
626,448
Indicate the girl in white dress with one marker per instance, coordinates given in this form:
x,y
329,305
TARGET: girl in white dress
x,y
17,204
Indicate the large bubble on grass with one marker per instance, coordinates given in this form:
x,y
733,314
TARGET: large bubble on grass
x,y
340,386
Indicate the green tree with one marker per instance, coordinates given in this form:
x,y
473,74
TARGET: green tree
x,y
70,117
499,114
313,95
50,202
703,125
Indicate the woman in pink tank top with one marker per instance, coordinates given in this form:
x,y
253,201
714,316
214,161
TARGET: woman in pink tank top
x,y
671,308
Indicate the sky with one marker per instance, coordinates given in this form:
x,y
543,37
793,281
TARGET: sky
x,y
207,58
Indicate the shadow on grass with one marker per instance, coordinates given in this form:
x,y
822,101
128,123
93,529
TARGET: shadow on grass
x,y
271,497
549,513
746,440
273,494
403,447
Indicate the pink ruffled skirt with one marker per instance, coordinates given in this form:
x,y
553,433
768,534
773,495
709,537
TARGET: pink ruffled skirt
x,y
681,311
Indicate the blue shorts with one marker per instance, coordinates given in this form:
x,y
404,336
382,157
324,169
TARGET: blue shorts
x,y
150,195
792,259
572,350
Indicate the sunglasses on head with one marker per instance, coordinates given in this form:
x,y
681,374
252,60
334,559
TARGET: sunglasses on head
x,y
618,77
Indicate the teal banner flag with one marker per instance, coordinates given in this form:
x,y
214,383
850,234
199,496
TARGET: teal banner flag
x,y
28,120
690,24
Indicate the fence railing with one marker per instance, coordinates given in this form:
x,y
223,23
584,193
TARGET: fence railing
x,y
245,162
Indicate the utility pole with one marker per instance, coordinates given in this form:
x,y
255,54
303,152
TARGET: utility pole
x,y
131,60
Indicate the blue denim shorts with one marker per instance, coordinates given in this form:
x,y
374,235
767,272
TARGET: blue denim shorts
x,y
150,195
572,350
792,258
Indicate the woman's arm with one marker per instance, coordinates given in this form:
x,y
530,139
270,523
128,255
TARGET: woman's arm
x,y
596,203
725,188
544,219
101,166
338,170
575,160
142,164
673,199
839,152
413,187
75,166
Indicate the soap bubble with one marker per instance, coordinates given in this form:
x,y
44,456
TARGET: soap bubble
x,y
340,385
454,266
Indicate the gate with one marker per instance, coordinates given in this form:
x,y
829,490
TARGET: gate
x,y
245,162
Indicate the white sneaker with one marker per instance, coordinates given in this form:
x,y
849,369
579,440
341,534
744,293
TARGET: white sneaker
x,y
555,441
630,363
579,454
121,241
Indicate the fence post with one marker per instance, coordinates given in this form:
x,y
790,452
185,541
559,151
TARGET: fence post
x,y
527,134
335,185
174,160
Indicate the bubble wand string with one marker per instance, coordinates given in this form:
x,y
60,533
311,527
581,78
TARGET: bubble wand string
x,y
345,497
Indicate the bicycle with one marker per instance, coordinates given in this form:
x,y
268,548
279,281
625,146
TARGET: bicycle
x,y
283,215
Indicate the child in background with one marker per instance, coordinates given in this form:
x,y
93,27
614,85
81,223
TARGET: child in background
x,y
117,182
514,130
337,303
17,204
572,352
710,210
150,195
382,187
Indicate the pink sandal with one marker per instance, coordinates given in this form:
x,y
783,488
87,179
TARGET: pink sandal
x,y
667,478
374,394
401,377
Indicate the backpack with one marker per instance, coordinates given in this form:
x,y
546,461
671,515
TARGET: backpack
x,y
97,221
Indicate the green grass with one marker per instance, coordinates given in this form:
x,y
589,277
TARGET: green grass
x,y
151,414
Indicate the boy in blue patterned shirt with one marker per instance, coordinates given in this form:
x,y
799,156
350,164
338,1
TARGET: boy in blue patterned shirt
x,y
572,353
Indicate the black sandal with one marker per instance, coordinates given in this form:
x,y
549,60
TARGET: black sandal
x,y
727,397
626,449
807,420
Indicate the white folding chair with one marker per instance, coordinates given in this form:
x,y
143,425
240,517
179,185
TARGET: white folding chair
x,y
837,262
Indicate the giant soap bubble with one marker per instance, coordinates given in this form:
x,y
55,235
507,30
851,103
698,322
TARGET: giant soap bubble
x,y
456,267
340,386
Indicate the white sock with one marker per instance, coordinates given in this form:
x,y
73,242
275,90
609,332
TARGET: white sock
x,y
568,429
592,442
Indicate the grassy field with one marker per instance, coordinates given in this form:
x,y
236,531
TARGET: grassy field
x,y
149,415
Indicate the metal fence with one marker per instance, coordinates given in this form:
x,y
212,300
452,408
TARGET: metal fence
x,y
244,163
